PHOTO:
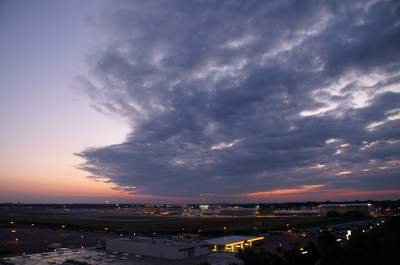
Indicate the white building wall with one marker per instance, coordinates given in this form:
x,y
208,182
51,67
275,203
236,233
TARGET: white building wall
x,y
167,250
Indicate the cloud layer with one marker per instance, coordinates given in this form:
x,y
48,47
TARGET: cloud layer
x,y
233,99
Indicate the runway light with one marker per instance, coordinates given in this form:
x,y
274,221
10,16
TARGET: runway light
x,y
348,235
304,252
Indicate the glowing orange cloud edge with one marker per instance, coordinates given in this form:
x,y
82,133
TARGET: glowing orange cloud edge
x,y
280,192
317,189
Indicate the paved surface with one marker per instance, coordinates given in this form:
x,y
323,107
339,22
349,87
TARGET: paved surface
x,y
101,257
38,239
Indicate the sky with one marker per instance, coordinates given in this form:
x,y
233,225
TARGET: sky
x,y
199,101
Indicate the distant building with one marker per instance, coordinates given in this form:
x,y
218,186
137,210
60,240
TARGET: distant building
x,y
191,211
170,210
159,247
202,209
343,209
238,211
206,209
233,243
219,210
303,212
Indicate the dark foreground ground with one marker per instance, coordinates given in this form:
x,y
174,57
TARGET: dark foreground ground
x,y
28,239
377,244
33,231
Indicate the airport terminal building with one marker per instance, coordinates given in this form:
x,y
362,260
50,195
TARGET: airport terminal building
x,y
343,209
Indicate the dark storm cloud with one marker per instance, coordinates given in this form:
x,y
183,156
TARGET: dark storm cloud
x,y
232,97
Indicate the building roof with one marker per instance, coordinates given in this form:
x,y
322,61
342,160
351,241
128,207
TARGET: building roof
x,y
229,240
160,241
238,209
95,256
345,205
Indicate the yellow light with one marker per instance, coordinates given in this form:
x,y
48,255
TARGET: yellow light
x,y
255,239
228,248
235,243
